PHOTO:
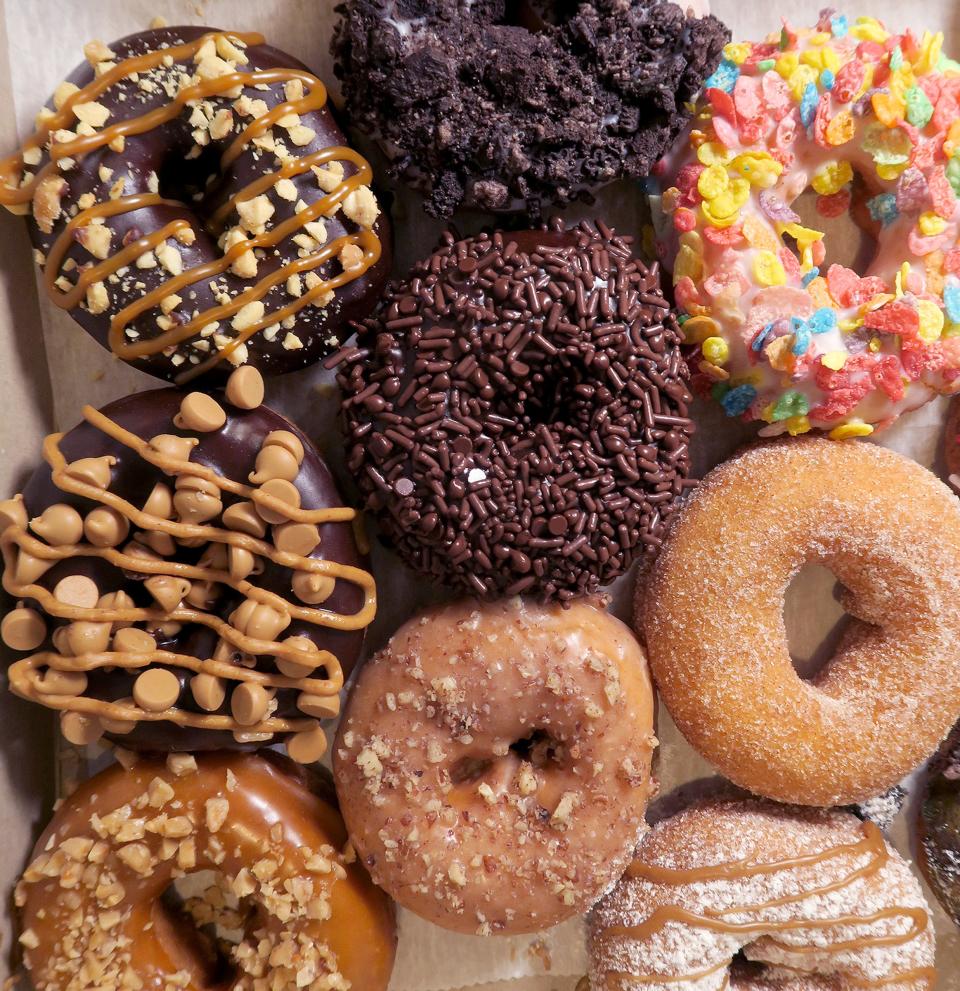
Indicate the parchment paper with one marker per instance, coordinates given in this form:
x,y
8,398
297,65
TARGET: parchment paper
x,y
45,38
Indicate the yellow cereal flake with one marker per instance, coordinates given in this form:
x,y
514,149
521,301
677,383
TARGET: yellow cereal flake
x,y
847,430
832,177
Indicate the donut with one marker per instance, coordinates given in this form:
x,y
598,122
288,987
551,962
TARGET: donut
x,y
515,412
194,206
493,762
712,619
186,577
938,825
777,332
502,105
92,901
951,443
812,899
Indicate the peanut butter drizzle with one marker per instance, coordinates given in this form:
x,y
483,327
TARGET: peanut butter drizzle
x,y
24,674
872,843
314,99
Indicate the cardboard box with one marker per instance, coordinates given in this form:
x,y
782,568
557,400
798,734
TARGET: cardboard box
x,y
50,368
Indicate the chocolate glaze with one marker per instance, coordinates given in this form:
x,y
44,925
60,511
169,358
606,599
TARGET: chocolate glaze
x,y
230,451
163,151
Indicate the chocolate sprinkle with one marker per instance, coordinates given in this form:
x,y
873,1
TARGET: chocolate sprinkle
x,y
516,412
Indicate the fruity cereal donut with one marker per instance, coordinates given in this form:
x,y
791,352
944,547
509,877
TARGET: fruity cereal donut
x,y
712,617
493,762
92,901
868,119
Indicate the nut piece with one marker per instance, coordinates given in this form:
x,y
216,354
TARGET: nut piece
x,y
79,729
105,527
245,388
59,525
78,591
168,592
200,412
208,691
296,538
156,690
249,703
282,490
308,746
23,629
312,588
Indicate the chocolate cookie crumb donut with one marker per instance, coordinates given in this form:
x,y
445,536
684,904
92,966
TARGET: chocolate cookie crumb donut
x,y
498,104
186,576
516,412
493,762
193,205
938,825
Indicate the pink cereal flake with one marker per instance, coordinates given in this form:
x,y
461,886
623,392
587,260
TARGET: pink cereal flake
x,y
885,375
774,302
898,317
790,263
776,95
941,193
848,82
722,103
725,237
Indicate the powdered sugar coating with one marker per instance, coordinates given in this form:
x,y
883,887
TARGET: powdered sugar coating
x,y
713,617
850,874
493,762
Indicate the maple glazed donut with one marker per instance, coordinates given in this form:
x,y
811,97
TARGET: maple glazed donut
x,y
516,412
187,577
91,901
813,899
493,762
194,207
712,619
778,333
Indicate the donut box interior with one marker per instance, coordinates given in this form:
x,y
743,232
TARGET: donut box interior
x,y
50,368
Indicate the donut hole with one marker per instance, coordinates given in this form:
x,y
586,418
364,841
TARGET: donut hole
x,y
538,749
814,619
188,180
467,770
850,238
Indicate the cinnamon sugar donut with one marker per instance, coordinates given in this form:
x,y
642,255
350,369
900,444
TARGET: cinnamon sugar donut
x,y
713,619
91,902
815,899
493,762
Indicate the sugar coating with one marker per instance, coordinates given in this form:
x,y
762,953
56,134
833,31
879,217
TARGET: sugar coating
x,y
713,619
806,958
867,119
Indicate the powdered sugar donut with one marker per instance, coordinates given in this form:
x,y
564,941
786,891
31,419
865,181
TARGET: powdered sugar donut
x,y
713,619
493,762
868,119
815,899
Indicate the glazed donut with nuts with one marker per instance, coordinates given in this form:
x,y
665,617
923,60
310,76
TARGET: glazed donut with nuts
x,y
516,412
493,762
187,577
92,900
194,206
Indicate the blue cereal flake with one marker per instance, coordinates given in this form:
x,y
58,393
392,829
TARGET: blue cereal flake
x,y
883,208
839,25
801,336
808,104
724,76
823,321
809,277
759,340
827,79
738,400
951,300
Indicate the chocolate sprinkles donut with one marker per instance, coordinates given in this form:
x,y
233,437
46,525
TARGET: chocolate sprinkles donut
x,y
516,412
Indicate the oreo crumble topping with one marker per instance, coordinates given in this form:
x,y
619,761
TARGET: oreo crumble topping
x,y
495,104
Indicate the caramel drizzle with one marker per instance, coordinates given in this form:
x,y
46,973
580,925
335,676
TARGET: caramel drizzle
x,y
314,99
23,674
872,844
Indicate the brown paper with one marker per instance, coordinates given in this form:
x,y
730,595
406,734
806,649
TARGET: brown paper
x,y
40,42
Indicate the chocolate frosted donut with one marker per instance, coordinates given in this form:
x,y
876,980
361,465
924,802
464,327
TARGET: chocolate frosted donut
x,y
938,825
504,102
516,412
193,206
187,577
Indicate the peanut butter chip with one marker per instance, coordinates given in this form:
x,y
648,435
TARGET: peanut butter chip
x,y
243,517
78,591
13,513
208,691
87,638
79,729
296,538
29,568
245,388
249,703
53,682
167,591
312,588
119,727
173,447
156,690
308,746
305,663
130,640
241,563
160,502
200,412
105,527
23,629
283,491
319,706
275,461
58,525
284,438
92,471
